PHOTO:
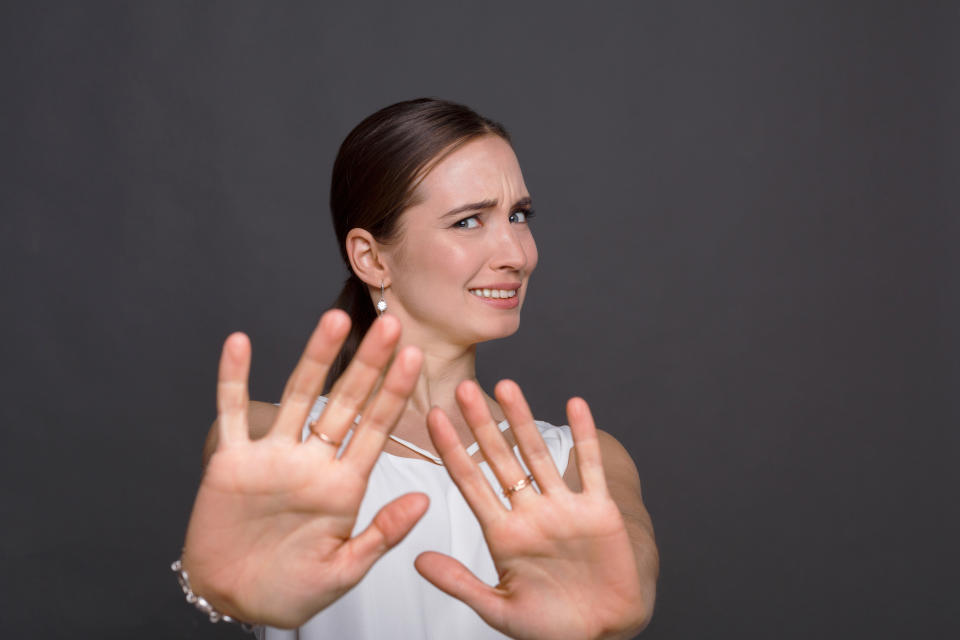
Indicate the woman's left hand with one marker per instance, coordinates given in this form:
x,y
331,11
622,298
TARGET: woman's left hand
x,y
565,561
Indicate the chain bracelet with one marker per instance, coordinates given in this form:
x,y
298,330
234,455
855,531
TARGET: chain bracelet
x,y
199,601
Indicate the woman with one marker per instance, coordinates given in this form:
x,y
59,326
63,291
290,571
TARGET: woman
x,y
298,501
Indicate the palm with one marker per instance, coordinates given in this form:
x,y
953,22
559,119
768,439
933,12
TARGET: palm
x,y
565,563
279,521
570,561
269,539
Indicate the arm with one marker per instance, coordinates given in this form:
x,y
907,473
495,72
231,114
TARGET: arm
x,y
623,483
567,565
260,417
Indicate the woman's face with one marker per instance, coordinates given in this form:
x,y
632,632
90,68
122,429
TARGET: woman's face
x,y
460,268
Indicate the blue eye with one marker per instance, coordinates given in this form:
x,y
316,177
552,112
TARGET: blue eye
x,y
521,216
467,223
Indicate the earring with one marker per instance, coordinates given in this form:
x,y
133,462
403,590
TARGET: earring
x,y
382,304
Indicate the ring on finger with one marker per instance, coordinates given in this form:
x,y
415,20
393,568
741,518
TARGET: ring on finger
x,y
509,491
323,437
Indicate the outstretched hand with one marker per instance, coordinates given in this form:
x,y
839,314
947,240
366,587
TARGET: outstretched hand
x,y
269,537
565,562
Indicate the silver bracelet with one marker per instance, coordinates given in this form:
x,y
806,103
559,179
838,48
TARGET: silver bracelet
x,y
199,601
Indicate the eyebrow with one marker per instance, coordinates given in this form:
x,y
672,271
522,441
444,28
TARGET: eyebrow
x,y
486,204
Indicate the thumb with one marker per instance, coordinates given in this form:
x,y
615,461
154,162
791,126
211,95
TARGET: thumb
x,y
454,579
391,524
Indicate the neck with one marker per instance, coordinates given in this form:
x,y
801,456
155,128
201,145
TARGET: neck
x,y
444,367
443,370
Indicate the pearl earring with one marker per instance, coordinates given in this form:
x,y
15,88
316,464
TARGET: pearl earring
x,y
382,304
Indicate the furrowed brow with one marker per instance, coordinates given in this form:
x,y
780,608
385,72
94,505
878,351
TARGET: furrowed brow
x,y
473,206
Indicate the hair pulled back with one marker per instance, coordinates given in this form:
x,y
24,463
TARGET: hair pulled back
x,y
375,176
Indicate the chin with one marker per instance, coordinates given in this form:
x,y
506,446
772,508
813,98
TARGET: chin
x,y
506,330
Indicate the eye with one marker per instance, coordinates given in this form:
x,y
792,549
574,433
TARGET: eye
x,y
521,216
467,223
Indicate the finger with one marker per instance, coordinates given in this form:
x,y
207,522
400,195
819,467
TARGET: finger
x,y
587,447
232,395
497,453
534,450
391,524
387,407
306,381
350,392
454,579
463,470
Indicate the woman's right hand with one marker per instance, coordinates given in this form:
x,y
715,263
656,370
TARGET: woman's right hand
x,y
269,538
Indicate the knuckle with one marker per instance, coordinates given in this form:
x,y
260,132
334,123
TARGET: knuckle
x,y
300,396
540,456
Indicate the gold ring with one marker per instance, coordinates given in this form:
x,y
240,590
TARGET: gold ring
x,y
517,487
323,437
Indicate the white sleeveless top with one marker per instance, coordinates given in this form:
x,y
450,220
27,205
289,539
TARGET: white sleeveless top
x,y
393,600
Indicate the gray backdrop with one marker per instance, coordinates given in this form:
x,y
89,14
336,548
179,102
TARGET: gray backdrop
x,y
747,225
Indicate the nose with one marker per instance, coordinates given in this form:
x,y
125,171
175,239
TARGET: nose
x,y
508,253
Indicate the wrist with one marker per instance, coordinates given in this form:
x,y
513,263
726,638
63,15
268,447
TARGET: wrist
x,y
214,614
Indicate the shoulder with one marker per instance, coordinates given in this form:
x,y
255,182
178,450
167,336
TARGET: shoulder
x,y
623,483
617,461
549,432
260,417
618,466
559,441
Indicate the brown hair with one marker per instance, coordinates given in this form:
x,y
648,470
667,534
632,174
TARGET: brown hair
x,y
375,176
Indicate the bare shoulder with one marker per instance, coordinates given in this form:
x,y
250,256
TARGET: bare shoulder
x,y
618,465
623,479
260,417
617,461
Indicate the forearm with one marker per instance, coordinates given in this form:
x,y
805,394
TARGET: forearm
x,y
648,564
647,558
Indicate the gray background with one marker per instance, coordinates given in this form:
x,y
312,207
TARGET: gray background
x,y
747,225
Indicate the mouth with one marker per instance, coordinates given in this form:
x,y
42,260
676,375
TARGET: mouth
x,y
494,293
499,295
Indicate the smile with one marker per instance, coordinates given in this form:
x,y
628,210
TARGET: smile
x,y
494,293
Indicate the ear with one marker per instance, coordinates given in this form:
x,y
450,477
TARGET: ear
x,y
365,258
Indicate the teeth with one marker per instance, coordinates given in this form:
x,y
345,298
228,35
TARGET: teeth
x,y
494,293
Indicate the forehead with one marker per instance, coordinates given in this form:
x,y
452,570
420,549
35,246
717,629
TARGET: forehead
x,y
482,169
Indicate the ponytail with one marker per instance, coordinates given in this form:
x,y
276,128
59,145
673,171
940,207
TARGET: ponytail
x,y
355,300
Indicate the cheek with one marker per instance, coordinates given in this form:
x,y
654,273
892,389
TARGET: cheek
x,y
447,260
437,262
